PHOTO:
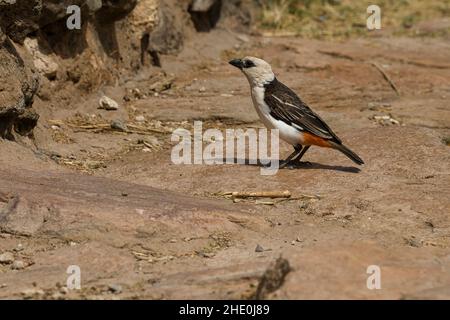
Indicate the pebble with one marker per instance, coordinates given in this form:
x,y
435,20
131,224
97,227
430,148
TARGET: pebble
x,y
18,265
146,150
140,118
64,290
6,258
115,288
107,104
19,248
31,293
119,125
202,89
57,296
243,38
259,248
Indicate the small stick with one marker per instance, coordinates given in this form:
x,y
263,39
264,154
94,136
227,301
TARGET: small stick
x,y
301,197
90,127
260,194
56,122
148,145
386,77
143,129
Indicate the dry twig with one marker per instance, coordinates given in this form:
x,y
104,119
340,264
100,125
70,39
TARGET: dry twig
x,y
386,77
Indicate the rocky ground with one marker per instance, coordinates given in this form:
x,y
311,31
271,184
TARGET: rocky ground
x,y
109,200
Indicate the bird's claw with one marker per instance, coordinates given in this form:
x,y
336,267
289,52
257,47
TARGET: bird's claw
x,y
294,164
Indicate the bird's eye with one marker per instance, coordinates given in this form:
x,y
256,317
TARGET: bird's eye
x,y
249,64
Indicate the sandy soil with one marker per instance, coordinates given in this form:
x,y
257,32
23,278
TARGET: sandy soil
x,y
141,227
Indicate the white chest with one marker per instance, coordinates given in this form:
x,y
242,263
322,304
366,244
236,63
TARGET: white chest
x,y
287,133
261,107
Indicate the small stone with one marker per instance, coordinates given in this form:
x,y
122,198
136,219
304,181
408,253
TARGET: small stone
x,y
115,288
108,104
32,293
202,89
57,296
146,150
19,248
259,248
55,127
64,290
6,258
119,126
18,265
243,38
92,164
140,118
173,241
72,243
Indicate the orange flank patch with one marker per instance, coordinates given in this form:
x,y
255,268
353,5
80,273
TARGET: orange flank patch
x,y
310,139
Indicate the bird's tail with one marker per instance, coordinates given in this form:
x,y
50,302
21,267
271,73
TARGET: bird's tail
x,y
349,153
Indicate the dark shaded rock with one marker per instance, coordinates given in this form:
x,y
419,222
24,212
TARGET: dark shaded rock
x,y
205,14
166,38
119,125
20,18
273,278
26,122
234,14
113,10
18,86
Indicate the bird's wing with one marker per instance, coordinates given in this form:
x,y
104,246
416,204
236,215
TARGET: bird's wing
x,y
286,106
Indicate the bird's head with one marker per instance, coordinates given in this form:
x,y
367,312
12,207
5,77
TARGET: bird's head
x,y
257,71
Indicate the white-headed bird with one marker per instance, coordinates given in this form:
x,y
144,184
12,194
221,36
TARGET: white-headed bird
x,y
280,108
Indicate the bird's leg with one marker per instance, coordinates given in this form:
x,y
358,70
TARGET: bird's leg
x,y
297,160
297,151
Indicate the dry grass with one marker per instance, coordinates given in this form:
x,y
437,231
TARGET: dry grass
x,y
345,18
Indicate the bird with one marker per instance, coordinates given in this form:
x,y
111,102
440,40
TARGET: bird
x,y
280,108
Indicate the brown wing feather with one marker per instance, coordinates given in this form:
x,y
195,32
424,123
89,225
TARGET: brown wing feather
x,y
286,106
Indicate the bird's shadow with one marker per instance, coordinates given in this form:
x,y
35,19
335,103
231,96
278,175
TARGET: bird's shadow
x,y
303,165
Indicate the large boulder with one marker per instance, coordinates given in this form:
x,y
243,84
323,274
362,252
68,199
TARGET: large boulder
x,y
19,18
18,85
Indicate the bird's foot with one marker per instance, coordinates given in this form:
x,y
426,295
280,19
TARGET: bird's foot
x,y
304,163
288,165
293,164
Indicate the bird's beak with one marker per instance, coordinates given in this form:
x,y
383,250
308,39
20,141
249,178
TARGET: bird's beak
x,y
237,63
